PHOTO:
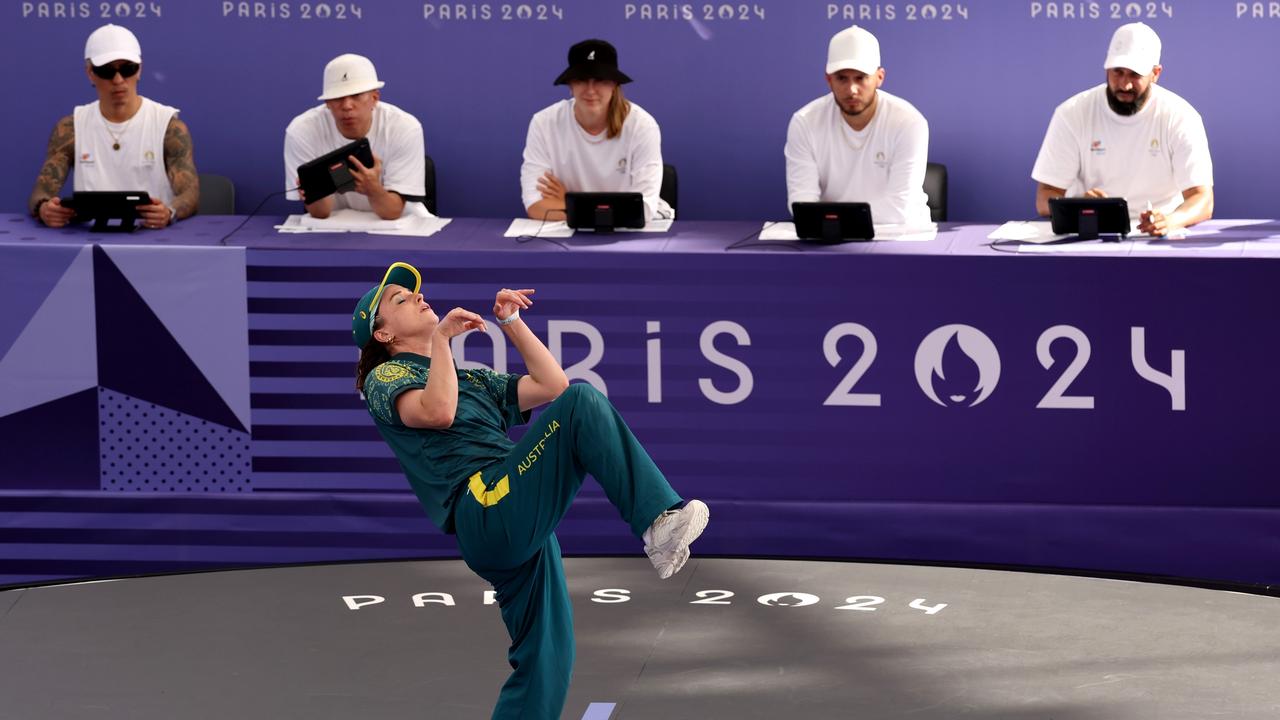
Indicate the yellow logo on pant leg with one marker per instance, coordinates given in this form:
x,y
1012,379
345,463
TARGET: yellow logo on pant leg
x,y
483,495
523,466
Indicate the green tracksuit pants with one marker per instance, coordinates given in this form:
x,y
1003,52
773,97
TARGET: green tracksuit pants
x,y
506,519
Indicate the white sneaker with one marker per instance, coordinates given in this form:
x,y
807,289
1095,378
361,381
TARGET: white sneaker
x,y
667,540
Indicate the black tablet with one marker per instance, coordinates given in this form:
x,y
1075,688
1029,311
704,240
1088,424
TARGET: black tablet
x,y
331,172
833,222
604,211
110,210
1089,217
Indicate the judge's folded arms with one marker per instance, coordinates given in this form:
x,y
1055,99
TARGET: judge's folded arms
x,y
1130,138
120,142
597,141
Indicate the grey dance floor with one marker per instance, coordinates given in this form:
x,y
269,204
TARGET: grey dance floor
x,y
729,639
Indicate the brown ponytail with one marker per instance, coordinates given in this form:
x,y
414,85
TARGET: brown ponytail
x,y
619,108
373,355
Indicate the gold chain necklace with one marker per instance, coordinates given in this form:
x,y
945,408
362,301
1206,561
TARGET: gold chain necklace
x,y
115,139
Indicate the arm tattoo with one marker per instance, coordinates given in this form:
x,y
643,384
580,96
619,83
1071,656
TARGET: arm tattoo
x,y
181,168
57,163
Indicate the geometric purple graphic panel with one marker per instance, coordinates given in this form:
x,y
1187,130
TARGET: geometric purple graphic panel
x,y
198,293
30,374
138,356
26,277
51,446
148,448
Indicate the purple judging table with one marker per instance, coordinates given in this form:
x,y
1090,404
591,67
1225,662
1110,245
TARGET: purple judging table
x,y
184,399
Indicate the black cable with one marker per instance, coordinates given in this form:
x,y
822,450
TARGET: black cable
x,y
998,246
522,239
790,245
223,240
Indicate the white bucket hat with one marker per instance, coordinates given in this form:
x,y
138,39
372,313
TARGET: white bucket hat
x,y
349,75
110,43
1134,47
853,49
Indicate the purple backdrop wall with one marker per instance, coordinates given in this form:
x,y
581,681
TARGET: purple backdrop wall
x,y
722,79
935,401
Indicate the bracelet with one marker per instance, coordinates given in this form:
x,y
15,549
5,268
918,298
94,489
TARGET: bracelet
x,y
510,318
39,205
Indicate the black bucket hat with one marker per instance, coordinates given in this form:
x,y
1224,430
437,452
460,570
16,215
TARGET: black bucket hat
x,y
592,59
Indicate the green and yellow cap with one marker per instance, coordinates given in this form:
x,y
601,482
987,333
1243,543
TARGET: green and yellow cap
x,y
402,274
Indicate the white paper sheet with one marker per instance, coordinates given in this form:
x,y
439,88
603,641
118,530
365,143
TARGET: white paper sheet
x,y
417,227
349,220
906,233
654,226
415,221
775,231
527,227
783,231
1026,231
1040,232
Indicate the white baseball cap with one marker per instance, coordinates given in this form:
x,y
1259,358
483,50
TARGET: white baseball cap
x,y
349,75
110,43
1134,47
853,49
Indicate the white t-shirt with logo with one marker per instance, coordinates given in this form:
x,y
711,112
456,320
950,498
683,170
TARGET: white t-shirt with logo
x,y
1152,156
630,162
395,138
883,164
137,165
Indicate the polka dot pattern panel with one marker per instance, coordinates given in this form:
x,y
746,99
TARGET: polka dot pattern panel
x,y
146,447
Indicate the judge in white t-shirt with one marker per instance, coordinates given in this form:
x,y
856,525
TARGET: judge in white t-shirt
x,y
120,142
353,109
598,141
859,143
1130,138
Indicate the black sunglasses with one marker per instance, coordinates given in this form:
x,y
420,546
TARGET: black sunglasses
x,y
108,72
